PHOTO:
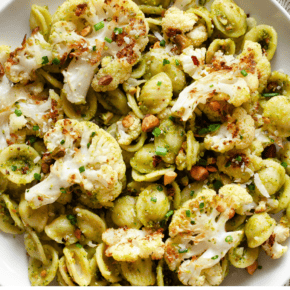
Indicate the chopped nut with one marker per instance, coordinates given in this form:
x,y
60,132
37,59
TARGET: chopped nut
x,y
87,30
215,106
58,152
149,123
231,213
2,71
45,168
78,234
221,208
169,177
211,168
266,120
128,121
199,173
269,152
105,80
251,269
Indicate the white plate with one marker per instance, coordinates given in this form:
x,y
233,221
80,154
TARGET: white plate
x,y
14,15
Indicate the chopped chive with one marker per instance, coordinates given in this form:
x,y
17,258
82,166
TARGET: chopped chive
x,y
177,62
45,60
159,84
239,158
72,219
56,61
228,164
62,190
284,164
251,186
217,185
160,151
118,30
162,42
99,25
62,142
109,40
244,73
213,127
187,212
192,222
269,95
192,193
166,61
182,251
229,239
241,137
153,199
215,257
13,168
88,145
93,134
201,205
79,245
35,128
170,213
211,86
37,176
32,139
82,169
156,132
94,48
18,113
159,188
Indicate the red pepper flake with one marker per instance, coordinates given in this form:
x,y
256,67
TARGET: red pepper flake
x,y
195,60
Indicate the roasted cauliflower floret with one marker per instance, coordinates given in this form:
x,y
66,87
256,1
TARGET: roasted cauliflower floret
x,y
34,53
85,155
235,88
238,133
237,197
127,245
128,129
193,61
277,109
272,246
198,239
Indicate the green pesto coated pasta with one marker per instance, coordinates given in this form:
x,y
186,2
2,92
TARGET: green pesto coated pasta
x,y
227,46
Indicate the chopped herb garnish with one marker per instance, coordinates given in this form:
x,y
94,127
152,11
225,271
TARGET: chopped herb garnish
x,y
118,30
170,213
251,186
94,48
171,118
109,40
45,60
260,267
215,257
201,205
187,212
211,86
269,95
32,139
273,141
79,245
35,128
213,127
62,142
56,61
62,190
229,239
82,169
192,222
159,188
166,61
153,199
284,164
217,185
88,145
239,158
156,132
18,113
37,176
99,25
13,168
93,134
160,151
162,42
192,193
159,84
72,219
228,164
241,137
182,251
177,62
244,73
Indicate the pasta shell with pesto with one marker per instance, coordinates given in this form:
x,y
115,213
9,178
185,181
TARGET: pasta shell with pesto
x,y
19,163
156,94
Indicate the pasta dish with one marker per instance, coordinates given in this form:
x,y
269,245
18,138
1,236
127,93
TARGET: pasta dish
x,y
144,143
